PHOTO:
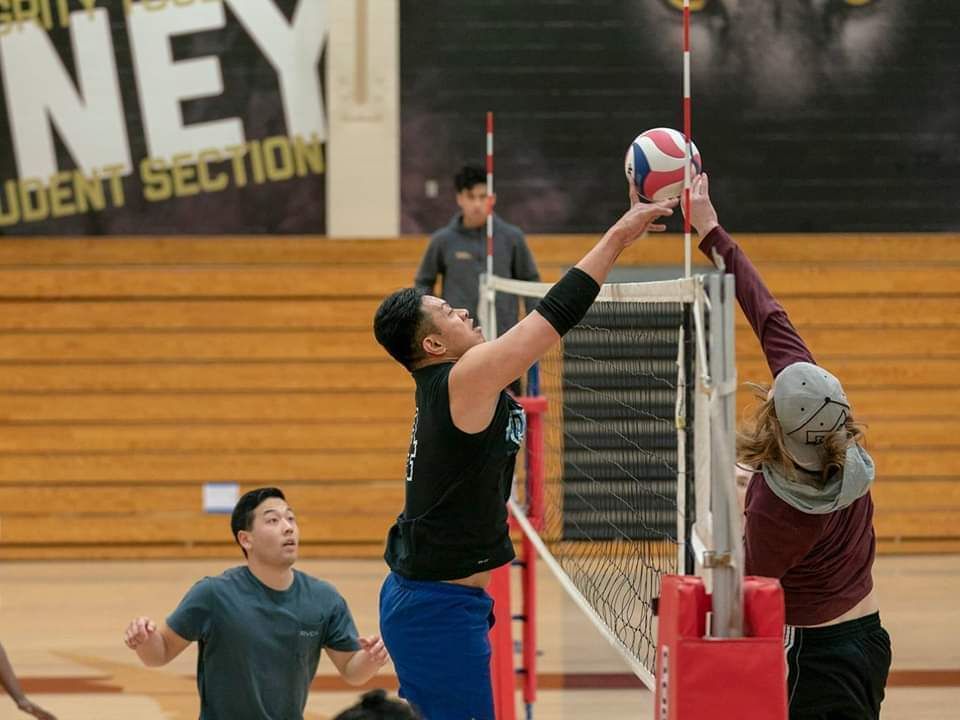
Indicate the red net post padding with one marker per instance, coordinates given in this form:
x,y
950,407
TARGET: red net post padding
x,y
720,678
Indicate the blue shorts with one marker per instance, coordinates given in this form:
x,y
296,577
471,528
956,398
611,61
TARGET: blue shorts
x,y
437,636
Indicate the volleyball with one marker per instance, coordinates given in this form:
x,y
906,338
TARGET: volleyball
x,y
654,163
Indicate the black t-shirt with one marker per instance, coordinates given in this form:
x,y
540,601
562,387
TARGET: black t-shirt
x,y
454,521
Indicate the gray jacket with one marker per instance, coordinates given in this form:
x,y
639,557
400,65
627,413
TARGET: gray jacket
x,y
459,255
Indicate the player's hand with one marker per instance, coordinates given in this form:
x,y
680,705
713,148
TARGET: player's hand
x,y
703,216
375,649
38,712
138,632
641,218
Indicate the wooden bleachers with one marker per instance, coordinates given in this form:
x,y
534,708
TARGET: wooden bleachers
x,y
133,370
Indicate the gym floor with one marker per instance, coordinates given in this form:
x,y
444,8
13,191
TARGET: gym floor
x,y
71,660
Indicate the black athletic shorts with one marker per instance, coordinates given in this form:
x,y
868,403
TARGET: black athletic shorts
x,y
837,672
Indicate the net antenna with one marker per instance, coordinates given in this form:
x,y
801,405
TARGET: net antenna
x,y
719,520
486,309
637,455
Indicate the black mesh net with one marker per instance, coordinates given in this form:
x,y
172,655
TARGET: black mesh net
x,y
613,459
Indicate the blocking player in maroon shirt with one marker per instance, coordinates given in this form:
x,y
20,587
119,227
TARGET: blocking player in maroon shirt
x,y
808,516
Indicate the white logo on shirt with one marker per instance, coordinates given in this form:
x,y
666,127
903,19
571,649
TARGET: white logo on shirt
x,y
412,454
516,426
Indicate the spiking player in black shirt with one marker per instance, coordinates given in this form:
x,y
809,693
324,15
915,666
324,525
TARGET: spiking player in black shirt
x,y
434,610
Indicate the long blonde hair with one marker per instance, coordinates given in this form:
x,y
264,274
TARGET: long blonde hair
x,y
760,442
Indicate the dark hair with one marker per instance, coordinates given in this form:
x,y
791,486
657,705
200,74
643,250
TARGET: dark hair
x,y
242,517
375,705
400,325
468,176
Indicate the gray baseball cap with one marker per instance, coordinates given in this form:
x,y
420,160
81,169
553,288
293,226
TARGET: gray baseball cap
x,y
810,404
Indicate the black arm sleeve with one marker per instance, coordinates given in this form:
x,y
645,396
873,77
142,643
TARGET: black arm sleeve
x,y
568,300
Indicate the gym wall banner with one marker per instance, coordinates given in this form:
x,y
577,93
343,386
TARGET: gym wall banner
x,y
162,116
811,115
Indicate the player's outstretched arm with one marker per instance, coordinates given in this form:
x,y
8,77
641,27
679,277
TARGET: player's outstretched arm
x,y
781,343
484,370
155,645
9,682
358,666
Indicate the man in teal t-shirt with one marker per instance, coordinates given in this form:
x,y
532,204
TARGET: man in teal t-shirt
x,y
260,627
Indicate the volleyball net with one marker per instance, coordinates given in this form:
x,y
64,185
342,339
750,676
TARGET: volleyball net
x,y
629,462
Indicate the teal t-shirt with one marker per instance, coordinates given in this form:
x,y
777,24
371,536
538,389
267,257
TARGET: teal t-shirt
x,y
259,647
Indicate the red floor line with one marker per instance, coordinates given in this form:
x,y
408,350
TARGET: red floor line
x,y
546,681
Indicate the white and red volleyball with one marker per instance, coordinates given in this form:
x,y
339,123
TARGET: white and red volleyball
x,y
654,163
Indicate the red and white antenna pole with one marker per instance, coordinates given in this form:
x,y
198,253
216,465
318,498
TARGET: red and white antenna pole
x,y
686,134
489,194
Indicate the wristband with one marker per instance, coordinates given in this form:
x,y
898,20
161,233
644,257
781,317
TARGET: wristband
x,y
568,300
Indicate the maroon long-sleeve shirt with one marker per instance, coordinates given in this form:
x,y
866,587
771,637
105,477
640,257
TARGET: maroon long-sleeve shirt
x,y
823,561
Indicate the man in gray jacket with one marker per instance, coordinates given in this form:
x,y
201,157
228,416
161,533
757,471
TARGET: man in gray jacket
x,y
458,252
